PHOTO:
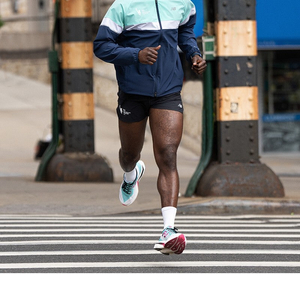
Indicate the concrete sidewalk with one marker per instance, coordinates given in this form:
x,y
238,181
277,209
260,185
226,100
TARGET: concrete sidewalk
x,y
25,117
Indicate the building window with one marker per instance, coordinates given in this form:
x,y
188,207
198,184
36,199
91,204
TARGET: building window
x,y
281,101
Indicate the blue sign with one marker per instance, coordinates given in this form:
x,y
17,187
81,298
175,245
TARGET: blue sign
x,y
281,118
278,23
200,17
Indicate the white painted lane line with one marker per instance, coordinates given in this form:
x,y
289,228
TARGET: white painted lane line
x,y
147,252
283,221
238,217
133,264
212,235
151,225
5,216
270,230
109,242
126,221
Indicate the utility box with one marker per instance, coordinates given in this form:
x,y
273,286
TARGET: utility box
x,y
209,49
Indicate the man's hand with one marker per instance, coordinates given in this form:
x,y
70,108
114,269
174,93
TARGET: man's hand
x,y
199,64
148,56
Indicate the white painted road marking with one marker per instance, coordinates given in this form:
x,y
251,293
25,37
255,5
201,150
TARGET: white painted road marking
x,y
63,242
109,242
147,252
164,264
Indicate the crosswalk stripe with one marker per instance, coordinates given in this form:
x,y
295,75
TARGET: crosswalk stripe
x,y
187,217
148,230
125,221
151,225
107,242
147,252
164,264
212,235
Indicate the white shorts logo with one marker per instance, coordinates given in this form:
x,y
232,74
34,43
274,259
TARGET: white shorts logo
x,y
123,111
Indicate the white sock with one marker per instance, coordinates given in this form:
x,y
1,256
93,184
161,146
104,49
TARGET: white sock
x,y
169,214
130,176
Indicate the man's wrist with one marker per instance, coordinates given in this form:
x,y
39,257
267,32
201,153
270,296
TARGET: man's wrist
x,y
195,54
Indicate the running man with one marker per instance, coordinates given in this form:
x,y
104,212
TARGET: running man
x,y
140,37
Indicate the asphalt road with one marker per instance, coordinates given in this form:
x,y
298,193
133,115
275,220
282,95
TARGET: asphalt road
x,y
124,244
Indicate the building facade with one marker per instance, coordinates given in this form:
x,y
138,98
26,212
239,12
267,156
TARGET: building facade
x,y
26,38
278,27
278,41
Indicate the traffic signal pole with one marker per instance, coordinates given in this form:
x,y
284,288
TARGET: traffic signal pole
x,y
235,168
75,160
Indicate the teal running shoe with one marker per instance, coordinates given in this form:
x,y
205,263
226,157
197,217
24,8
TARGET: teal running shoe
x,y
171,242
129,191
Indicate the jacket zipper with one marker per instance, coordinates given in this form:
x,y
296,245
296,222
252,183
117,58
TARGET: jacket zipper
x,y
160,26
158,15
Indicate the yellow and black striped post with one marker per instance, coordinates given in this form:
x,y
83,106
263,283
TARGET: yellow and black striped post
x,y
237,92
236,170
77,161
76,88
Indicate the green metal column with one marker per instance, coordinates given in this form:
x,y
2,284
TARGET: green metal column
x,y
208,42
235,169
207,115
54,70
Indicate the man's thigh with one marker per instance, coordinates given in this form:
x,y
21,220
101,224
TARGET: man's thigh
x,y
166,128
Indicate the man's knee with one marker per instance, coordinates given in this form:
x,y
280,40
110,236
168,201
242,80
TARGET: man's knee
x,y
128,157
166,157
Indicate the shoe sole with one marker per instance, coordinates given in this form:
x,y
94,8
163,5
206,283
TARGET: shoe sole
x,y
174,246
129,202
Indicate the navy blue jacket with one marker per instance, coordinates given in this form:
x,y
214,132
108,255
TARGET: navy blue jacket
x,y
132,25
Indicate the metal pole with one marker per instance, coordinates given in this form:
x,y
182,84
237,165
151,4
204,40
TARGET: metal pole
x,y
208,100
76,160
53,68
237,170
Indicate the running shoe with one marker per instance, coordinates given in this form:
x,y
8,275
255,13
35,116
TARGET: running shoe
x,y
129,191
171,242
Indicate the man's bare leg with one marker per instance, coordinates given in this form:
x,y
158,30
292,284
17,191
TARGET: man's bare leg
x,y
166,127
132,137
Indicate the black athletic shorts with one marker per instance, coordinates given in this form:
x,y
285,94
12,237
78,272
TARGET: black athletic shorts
x,y
135,108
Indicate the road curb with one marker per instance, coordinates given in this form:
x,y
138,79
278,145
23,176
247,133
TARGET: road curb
x,y
229,206
239,207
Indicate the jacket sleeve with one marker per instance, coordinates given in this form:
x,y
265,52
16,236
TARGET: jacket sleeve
x,y
186,37
105,43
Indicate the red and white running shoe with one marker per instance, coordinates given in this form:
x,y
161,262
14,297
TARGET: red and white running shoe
x,y
171,242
